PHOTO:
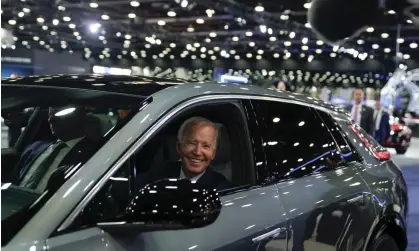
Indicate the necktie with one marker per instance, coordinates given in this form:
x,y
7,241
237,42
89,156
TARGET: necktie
x,y
356,114
43,167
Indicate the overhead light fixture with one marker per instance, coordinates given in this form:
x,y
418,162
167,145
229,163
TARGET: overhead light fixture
x,y
307,5
132,15
161,22
184,4
173,45
20,14
72,26
406,56
409,21
292,34
304,47
391,12
252,44
260,51
190,29
360,41
249,55
332,54
375,46
318,51
196,45
40,20
93,5
370,29
171,13
262,28
287,43
135,3
26,10
387,50
413,45
249,33
210,12
105,17
208,40
384,35
307,25
94,27
213,34
67,19
319,42
259,8
128,36
237,57
272,39
44,27
304,40
12,22
235,38
400,40
200,21
258,57
284,17
276,55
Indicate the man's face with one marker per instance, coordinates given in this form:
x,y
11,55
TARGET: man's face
x,y
377,104
358,96
281,86
197,149
64,121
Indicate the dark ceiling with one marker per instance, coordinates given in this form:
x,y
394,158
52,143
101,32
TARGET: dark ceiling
x,y
206,29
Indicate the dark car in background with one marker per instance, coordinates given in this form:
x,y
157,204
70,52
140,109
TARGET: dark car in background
x,y
302,175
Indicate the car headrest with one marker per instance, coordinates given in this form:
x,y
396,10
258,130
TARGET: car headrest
x,y
223,153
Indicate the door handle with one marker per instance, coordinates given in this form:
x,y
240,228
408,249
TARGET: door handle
x,y
274,234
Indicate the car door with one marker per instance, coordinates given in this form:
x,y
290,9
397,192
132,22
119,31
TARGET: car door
x,y
323,195
251,217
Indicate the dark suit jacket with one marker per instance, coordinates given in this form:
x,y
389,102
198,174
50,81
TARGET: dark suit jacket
x,y
383,133
367,118
79,153
210,177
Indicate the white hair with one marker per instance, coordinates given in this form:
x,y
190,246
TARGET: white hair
x,y
189,123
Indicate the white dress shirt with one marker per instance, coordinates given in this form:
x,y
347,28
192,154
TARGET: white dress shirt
x,y
377,116
195,178
63,152
358,120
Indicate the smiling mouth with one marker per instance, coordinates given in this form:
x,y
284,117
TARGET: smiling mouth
x,y
195,160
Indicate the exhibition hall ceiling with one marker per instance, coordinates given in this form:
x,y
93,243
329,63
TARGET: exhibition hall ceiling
x,y
190,29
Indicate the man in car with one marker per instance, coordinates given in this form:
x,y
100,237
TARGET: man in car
x,y
362,114
196,146
42,158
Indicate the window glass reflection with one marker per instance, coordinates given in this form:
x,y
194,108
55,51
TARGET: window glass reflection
x,y
295,141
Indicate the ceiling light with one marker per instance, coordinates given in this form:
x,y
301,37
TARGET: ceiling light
x,y
304,47
200,21
409,21
272,39
12,22
292,34
276,55
305,40
249,55
235,39
203,49
307,5
62,8
384,35
258,57
40,20
36,38
210,12
76,33
226,27
375,46
208,40
270,31
360,41
213,57
101,37
21,14
173,45
67,19
249,33
237,57
400,40
332,54
387,50
319,42
94,27
132,15
105,17
287,43
135,3
26,10
259,8
413,45
406,56
72,26
184,3
318,51
216,48
196,45
44,27
190,29
93,5
251,44
161,22
171,13
307,25
260,51
284,17
262,28
213,34
391,12
370,29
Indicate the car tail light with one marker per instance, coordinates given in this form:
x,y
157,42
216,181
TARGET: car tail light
x,y
380,155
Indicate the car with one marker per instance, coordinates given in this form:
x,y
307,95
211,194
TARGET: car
x,y
400,136
302,175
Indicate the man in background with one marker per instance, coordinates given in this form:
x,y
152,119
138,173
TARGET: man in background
x,y
362,114
381,123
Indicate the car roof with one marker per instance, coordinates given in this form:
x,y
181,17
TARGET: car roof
x,y
176,90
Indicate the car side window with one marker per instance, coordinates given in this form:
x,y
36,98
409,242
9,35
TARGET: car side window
x,y
347,151
294,139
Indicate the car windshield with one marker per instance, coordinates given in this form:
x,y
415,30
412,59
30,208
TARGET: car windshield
x,y
48,134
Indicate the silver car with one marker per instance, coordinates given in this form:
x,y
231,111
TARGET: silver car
x,y
302,175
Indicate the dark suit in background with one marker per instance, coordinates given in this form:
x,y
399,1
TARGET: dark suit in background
x,y
382,126
210,177
366,119
81,152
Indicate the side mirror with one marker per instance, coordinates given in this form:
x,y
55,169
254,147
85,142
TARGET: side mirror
x,y
170,204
